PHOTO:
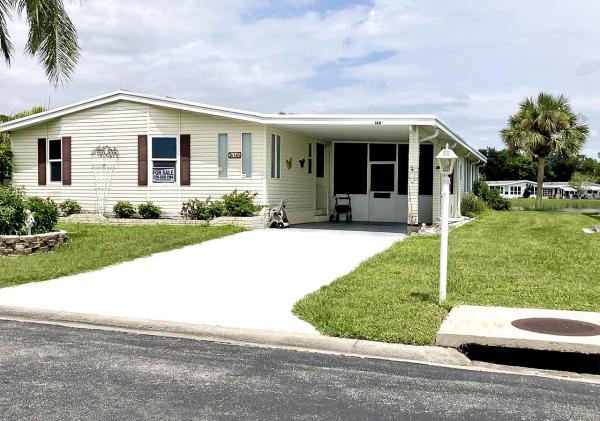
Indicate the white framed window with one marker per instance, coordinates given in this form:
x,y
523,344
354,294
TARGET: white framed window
x,y
515,190
223,149
55,160
275,156
247,155
164,156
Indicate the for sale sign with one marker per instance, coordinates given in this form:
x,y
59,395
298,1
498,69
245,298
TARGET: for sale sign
x,y
163,175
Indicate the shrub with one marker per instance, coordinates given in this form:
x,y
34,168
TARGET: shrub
x,y
69,207
472,205
491,197
528,192
45,213
240,204
149,210
124,209
12,210
202,210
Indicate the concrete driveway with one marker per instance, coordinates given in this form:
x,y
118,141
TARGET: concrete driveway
x,y
247,280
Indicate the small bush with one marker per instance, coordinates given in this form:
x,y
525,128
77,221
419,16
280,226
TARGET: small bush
x,y
12,210
69,207
490,196
203,210
528,192
124,209
45,213
240,204
149,210
472,205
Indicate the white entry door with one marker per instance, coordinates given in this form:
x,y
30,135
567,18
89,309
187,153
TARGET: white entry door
x,y
382,192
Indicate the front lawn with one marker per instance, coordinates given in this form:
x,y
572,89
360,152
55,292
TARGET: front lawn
x,y
516,259
95,246
548,204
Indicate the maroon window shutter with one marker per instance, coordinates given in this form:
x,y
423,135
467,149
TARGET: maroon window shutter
x,y
66,161
41,162
184,148
142,160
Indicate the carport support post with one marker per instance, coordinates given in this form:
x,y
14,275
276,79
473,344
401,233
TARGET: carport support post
x,y
413,177
444,237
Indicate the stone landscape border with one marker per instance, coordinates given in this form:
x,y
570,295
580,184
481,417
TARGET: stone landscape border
x,y
20,245
248,222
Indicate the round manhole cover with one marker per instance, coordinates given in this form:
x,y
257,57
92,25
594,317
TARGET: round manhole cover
x,y
559,327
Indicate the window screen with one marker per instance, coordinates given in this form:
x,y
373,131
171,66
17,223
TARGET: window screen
x,y
403,169
382,177
320,160
164,148
382,152
426,170
222,154
350,168
55,160
247,154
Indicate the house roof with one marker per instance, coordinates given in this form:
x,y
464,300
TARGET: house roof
x,y
508,182
328,126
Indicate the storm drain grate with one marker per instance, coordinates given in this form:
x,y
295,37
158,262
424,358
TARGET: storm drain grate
x,y
558,327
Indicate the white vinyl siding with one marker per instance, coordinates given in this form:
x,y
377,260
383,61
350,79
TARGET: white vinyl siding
x,y
295,184
246,154
118,124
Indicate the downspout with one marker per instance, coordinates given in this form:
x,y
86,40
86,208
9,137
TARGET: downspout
x,y
433,136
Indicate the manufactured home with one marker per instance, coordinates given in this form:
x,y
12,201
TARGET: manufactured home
x,y
167,151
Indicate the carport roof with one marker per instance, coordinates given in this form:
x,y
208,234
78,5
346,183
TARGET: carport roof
x,y
383,127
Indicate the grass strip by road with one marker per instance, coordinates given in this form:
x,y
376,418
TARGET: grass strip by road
x,y
514,259
549,204
94,246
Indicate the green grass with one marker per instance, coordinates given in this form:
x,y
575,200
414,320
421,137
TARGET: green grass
x,y
95,246
515,259
557,203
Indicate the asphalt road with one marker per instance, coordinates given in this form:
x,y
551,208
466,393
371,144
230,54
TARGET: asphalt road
x,y
53,372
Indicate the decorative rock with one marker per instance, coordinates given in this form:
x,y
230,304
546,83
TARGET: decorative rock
x,y
20,245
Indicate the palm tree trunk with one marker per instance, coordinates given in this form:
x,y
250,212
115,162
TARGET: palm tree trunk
x,y
540,183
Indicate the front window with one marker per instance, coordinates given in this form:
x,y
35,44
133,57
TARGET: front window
x,y
55,160
515,190
275,156
164,159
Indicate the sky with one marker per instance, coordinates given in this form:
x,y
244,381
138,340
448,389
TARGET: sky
x,y
468,61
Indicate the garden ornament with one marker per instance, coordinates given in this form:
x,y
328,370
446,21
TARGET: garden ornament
x,y
29,221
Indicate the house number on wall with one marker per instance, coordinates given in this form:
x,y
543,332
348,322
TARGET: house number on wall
x,y
378,123
234,155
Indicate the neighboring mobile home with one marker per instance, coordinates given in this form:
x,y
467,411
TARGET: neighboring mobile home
x,y
552,189
172,150
512,188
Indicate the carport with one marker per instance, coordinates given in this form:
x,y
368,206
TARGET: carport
x,y
386,164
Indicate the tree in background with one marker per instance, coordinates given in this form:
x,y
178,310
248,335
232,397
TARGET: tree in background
x,y
542,127
505,165
52,36
581,182
6,161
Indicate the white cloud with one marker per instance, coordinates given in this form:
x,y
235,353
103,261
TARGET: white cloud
x,y
469,61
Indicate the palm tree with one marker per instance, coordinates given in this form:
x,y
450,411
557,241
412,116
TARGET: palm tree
x,y
52,36
6,161
543,126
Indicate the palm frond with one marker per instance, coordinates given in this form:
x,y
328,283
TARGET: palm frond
x,y
6,47
52,37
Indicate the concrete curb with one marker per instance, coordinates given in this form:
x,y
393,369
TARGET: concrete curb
x,y
430,355
299,341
